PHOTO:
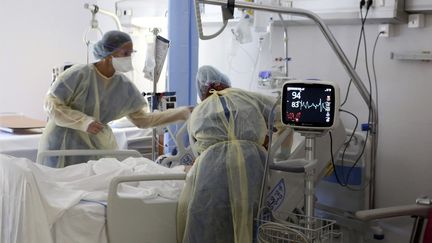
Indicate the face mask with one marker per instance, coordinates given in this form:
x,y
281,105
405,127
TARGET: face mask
x,y
122,64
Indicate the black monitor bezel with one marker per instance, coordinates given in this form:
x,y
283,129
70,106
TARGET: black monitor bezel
x,y
309,125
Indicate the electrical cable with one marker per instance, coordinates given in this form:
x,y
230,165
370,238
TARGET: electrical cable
x,y
374,71
363,20
362,3
347,143
362,34
376,99
333,162
355,164
343,183
370,100
369,3
368,76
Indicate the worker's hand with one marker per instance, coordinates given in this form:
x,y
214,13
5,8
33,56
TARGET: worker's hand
x,y
95,127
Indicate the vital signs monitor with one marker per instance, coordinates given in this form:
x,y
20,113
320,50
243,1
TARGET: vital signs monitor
x,y
310,105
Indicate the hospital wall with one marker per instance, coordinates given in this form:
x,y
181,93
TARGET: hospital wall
x,y
403,171
36,36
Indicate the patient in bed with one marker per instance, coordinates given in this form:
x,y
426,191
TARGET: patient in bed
x,y
228,132
43,204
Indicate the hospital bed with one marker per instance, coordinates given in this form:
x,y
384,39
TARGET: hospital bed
x,y
124,218
88,219
134,220
157,220
128,219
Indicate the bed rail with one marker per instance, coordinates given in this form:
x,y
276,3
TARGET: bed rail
x,y
136,220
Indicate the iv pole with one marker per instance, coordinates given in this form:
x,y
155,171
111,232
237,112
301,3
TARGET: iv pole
x,y
152,71
285,45
155,151
336,48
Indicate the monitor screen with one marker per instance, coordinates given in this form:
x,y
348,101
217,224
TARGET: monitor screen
x,y
310,105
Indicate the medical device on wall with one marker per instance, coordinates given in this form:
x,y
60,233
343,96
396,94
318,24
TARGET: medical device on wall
x,y
138,14
91,34
242,32
310,105
94,9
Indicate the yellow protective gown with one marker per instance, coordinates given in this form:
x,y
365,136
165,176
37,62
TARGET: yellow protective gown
x,y
220,198
82,95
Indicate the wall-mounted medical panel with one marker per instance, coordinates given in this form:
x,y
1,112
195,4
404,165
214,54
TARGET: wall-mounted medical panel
x,y
151,10
348,11
418,6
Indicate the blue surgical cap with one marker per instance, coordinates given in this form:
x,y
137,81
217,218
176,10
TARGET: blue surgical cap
x,y
207,76
111,41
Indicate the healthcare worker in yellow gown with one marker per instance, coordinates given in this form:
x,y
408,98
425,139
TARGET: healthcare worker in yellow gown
x,y
84,98
228,134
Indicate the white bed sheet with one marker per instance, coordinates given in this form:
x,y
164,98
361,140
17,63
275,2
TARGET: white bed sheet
x,y
42,204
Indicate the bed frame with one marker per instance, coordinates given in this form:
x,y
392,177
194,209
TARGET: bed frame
x,y
135,220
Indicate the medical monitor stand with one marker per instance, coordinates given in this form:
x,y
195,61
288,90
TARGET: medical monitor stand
x,y
309,186
311,108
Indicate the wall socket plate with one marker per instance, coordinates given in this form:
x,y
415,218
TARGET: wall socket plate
x,y
416,21
386,28
378,3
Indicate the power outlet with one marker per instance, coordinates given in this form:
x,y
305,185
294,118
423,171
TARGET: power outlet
x,y
386,30
416,21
